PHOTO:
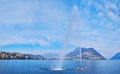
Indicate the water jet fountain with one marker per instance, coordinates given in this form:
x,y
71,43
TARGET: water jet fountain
x,y
59,65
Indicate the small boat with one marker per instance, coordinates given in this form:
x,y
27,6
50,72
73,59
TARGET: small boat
x,y
84,68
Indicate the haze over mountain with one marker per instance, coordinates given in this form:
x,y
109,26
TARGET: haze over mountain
x,y
50,55
87,53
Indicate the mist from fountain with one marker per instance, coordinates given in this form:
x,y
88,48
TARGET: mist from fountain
x,y
74,21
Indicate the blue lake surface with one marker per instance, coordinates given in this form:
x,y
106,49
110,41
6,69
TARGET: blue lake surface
x,y
41,66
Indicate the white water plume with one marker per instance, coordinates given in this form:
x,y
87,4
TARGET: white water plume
x,y
74,21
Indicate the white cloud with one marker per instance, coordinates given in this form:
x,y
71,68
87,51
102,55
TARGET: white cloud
x,y
100,14
113,16
44,43
16,12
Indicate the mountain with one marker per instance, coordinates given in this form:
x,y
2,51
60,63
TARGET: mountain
x,y
50,55
87,53
116,56
35,56
16,55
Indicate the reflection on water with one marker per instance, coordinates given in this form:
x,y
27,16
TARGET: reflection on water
x,y
41,67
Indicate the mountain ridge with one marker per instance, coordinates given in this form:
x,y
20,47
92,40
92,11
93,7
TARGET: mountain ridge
x,y
87,53
18,55
116,56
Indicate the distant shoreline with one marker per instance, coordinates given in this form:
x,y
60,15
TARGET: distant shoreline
x,y
20,56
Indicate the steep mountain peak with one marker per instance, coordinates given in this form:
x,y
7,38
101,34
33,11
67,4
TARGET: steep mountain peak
x,y
82,49
118,53
87,53
91,49
116,56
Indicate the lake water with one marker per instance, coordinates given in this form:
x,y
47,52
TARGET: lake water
x,y
41,66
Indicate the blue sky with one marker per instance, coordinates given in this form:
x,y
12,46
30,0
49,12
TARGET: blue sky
x,y
35,26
